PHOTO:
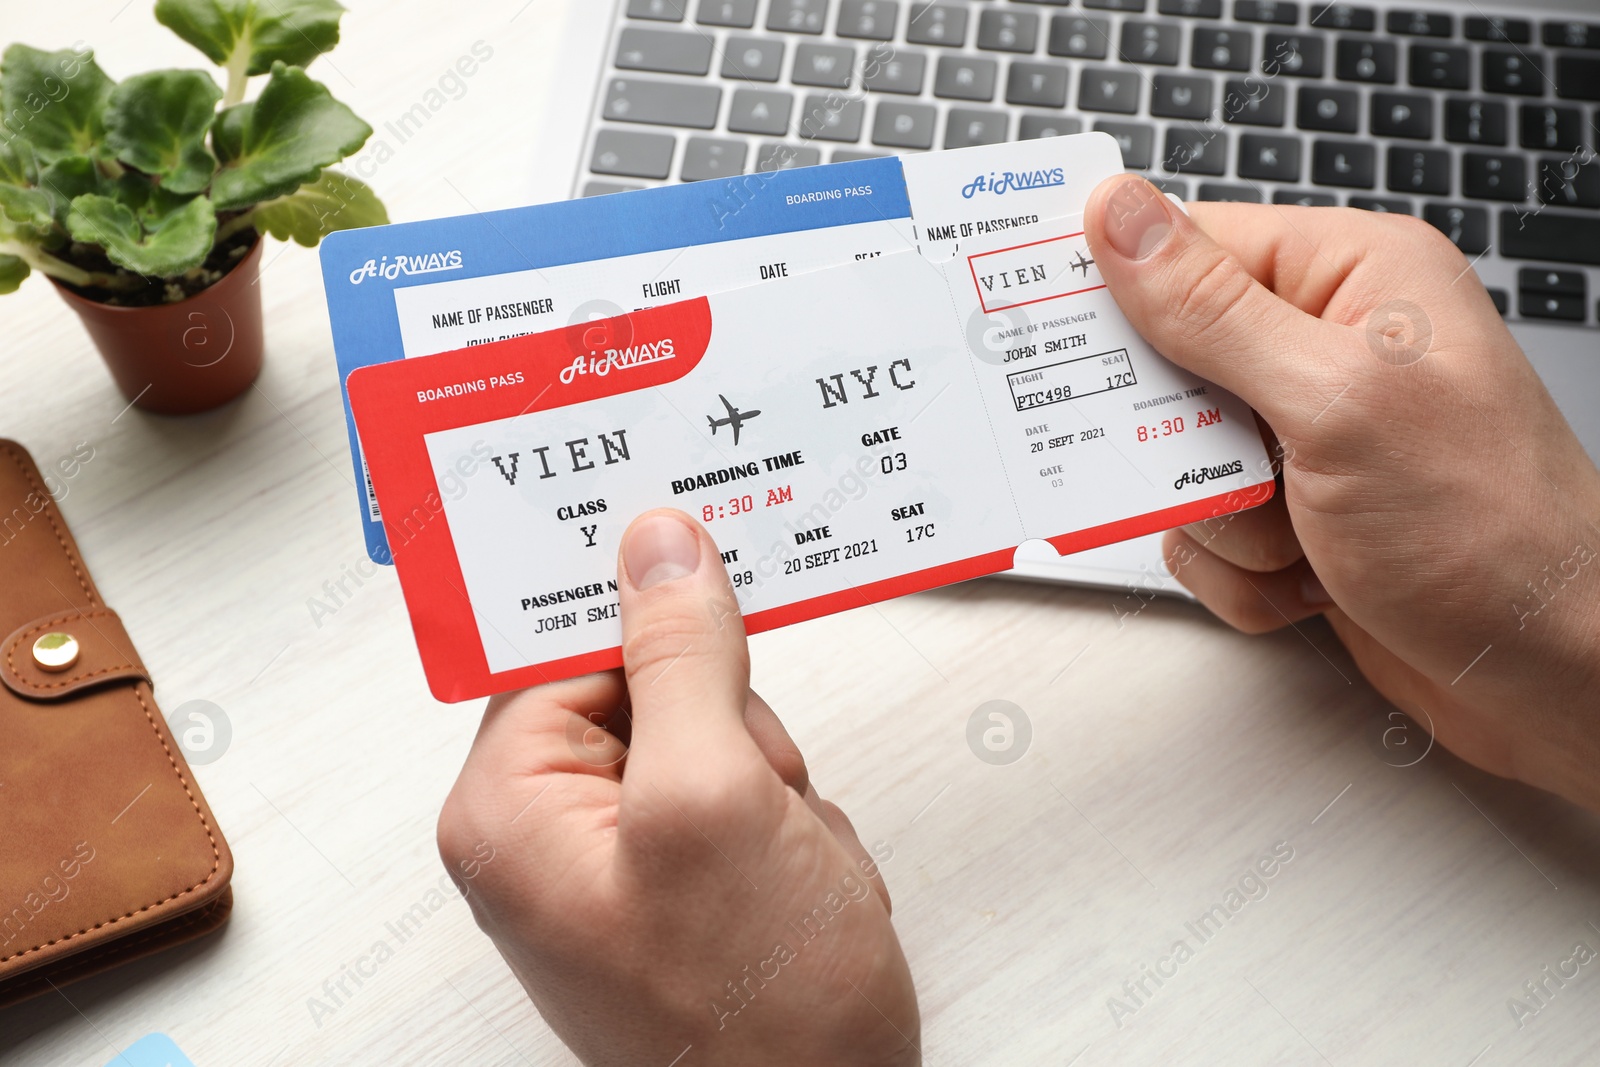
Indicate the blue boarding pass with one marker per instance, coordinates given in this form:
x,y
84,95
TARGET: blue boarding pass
x,y
421,288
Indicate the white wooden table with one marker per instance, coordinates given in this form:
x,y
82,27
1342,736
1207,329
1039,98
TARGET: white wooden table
x,y
1168,754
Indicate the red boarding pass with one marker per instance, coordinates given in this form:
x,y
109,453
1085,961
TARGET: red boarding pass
x,y
848,435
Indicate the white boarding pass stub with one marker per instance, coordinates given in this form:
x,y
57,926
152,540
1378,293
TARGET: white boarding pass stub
x,y
846,435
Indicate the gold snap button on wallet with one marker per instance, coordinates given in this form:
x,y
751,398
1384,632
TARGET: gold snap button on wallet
x,y
55,652
108,851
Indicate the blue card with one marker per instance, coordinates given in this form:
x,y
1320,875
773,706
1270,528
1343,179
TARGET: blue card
x,y
154,1050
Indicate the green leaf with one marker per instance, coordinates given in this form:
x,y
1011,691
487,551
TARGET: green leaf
x,y
27,210
227,133
256,33
291,131
179,243
71,176
158,205
17,163
333,202
54,99
13,271
157,123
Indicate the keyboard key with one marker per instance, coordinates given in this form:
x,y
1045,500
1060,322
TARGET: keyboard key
x,y
759,111
891,70
1171,186
1572,34
1195,151
1492,176
1037,84
1577,77
1178,96
1365,59
1555,236
1131,6
1569,181
826,65
1149,42
1229,194
633,155
1254,102
1276,12
1303,198
797,16
1436,66
1195,9
753,59
607,188
663,51
1333,110
705,158
1467,227
1560,282
965,77
899,125
1079,38
1384,205
1266,157
1420,23
1008,31
1108,90
1033,127
943,24
778,156
1532,305
1419,170
968,126
871,20
851,155
1498,28
1554,129
1137,141
660,10
1346,163
1507,70
662,103
1214,49
1501,299
739,13
829,118
1344,17
1474,121
1295,54
1402,115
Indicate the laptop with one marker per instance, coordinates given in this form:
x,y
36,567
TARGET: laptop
x,y
1484,120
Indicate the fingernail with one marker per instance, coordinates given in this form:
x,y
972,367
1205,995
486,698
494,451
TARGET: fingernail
x,y
660,549
1137,219
1313,593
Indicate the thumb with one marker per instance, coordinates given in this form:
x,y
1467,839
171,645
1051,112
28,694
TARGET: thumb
x,y
683,651
1197,304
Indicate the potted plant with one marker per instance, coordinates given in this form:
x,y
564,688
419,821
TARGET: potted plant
x,y
144,200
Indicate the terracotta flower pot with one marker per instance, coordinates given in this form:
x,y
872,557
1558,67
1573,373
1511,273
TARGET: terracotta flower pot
x,y
183,358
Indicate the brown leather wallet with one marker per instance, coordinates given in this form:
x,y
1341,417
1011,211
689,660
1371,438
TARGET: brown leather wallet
x,y
108,851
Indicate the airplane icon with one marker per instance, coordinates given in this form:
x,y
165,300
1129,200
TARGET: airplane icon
x,y
736,418
1082,264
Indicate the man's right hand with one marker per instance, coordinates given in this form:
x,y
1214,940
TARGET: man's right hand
x,y
1436,506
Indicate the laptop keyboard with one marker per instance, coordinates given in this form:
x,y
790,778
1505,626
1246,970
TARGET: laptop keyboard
x,y
1485,125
